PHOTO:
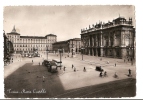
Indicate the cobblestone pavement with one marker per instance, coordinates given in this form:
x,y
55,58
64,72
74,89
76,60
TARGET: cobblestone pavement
x,y
24,78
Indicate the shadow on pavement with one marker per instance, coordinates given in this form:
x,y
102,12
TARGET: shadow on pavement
x,y
27,82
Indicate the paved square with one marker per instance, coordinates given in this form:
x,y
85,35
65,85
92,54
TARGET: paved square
x,y
25,79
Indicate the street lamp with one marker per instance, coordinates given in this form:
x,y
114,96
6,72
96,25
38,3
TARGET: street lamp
x,y
82,52
60,51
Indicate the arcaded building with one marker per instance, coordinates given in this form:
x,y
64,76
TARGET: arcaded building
x,y
113,39
28,43
68,46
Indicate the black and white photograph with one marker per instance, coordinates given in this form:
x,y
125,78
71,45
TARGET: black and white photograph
x,y
69,51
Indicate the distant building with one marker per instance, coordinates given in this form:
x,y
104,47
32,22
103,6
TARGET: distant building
x,y
29,43
69,46
112,39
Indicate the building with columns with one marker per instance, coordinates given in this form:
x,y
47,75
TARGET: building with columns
x,y
29,43
69,46
112,39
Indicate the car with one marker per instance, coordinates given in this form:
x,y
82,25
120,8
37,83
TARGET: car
x,y
98,68
30,56
38,55
26,55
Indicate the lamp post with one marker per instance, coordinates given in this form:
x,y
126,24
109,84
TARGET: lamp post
x,y
68,48
60,51
82,52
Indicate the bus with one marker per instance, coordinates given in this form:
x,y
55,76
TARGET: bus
x,y
57,62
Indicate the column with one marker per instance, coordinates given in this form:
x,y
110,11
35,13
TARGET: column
x,y
96,41
92,40
114,39
92,51
88,41
109,44
101,40
122,38
88,51
96,52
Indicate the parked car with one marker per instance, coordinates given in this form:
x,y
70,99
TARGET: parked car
x,y
98,68
26,55
38,55
30,56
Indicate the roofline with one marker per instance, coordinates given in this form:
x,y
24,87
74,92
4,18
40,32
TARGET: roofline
x,y
13,33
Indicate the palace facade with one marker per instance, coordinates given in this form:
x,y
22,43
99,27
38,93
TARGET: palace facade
x,y
113,39
29,43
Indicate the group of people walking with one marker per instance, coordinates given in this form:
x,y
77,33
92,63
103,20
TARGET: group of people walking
x,y
115,75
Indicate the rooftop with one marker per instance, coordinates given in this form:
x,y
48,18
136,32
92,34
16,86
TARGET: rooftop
x,y
34,37
13,33
116,22
51,35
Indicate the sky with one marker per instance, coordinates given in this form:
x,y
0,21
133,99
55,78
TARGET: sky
x,y
64,21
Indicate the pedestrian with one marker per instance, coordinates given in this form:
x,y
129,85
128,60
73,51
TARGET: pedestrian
x,y
74,69
105,73
115,75
124,60
115,64
84,69
43,78
129,72
107,62
64,68
100,74
131,59
32,61
128,59
72,66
